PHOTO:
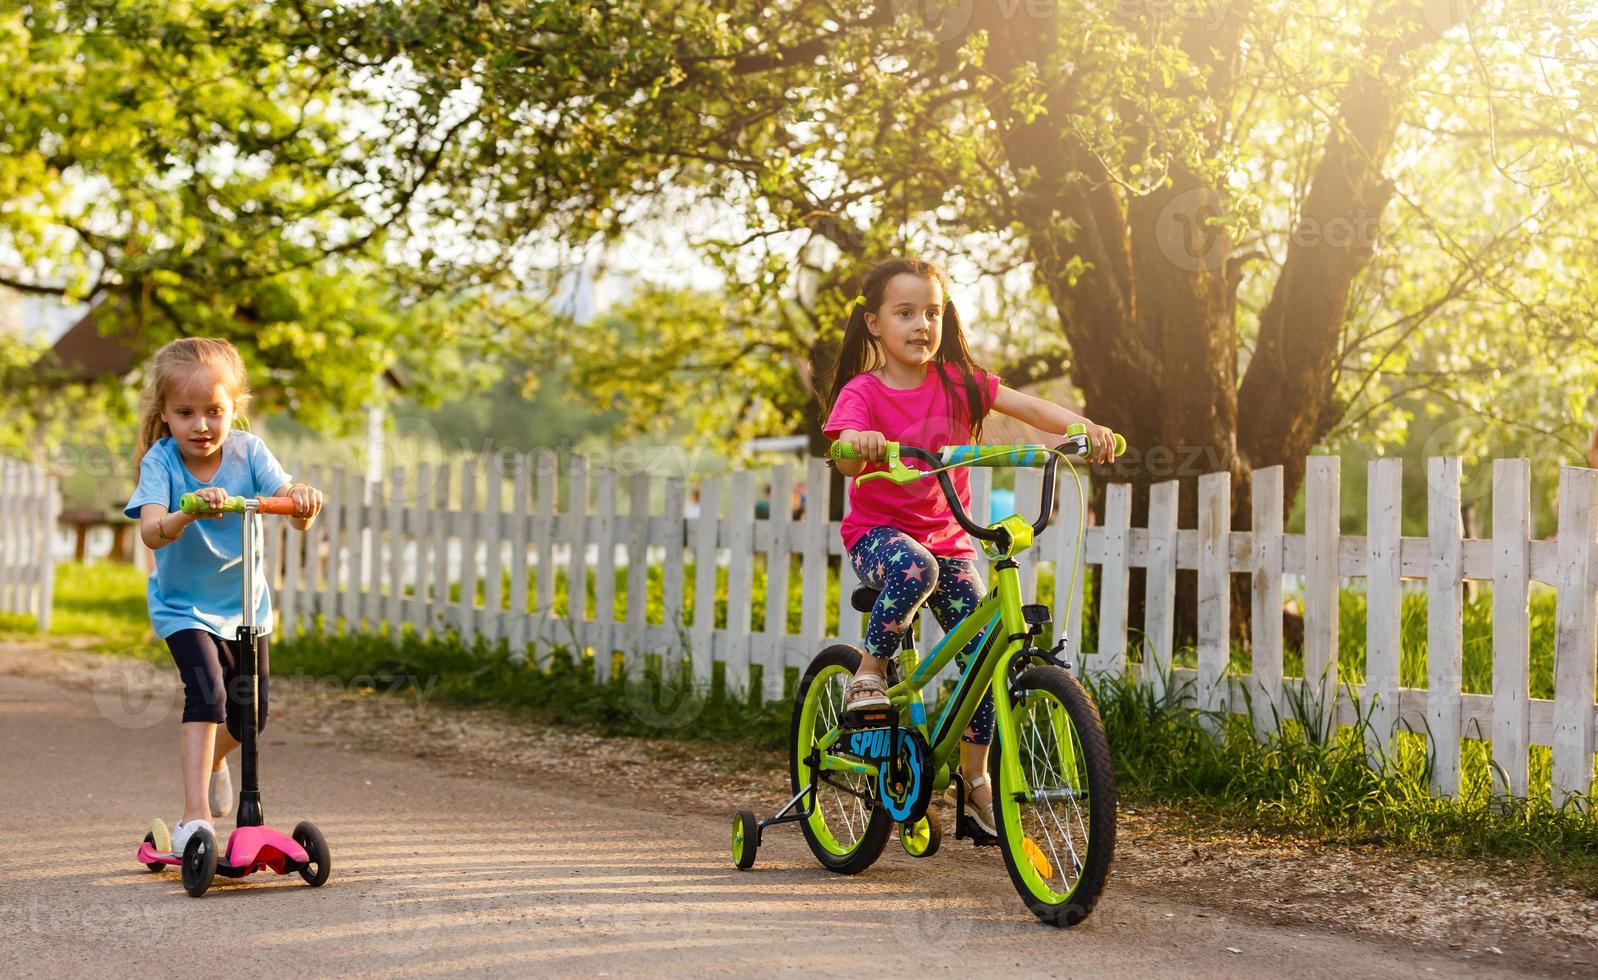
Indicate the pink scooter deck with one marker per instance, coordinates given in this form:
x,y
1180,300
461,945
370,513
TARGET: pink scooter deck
x,y
248,850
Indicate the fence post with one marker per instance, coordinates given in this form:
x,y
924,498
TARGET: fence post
x,y
1574,637
1511,624
636,628
1266,595
774,663
740,582
1383,603
1113,579
1214,595
604,573
705,548
1445,585
1322,511
522,490
1160,610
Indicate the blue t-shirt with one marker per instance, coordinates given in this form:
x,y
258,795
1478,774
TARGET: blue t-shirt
x,y
198,580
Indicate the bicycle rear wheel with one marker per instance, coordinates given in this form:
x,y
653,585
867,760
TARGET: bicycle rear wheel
x,y
845,831
1057,824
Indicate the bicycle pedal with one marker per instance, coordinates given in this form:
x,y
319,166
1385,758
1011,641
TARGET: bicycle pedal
x,y
868,718
968,829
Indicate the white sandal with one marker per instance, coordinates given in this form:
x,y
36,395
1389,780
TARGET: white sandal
x,y
865,691
977,813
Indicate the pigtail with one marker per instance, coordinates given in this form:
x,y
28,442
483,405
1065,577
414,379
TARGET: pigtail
x,y
857,352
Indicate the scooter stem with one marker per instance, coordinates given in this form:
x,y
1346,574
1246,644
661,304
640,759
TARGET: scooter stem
x,y
246,693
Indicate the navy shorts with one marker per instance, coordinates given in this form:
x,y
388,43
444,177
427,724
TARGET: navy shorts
x,y
209,666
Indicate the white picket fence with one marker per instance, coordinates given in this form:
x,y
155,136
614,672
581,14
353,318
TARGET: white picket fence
x,y
403,546
30,502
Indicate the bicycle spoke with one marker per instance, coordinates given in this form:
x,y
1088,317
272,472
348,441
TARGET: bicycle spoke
x,y
1041,820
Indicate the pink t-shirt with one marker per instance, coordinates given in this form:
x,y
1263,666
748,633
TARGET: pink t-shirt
x,y
925,417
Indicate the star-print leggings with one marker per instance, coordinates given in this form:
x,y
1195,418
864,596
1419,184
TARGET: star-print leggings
x,y
908,575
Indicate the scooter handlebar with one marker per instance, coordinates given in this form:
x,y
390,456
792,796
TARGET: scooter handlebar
x,y
192,503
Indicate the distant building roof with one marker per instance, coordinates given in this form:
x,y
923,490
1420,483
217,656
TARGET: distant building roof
x,y
84,354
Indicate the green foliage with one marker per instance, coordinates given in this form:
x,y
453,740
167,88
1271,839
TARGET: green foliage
x,y
786,145
196,167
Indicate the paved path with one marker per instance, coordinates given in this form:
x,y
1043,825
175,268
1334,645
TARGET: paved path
x,y
437,873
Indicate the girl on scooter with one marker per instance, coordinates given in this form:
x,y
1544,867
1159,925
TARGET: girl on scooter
x,y
197,392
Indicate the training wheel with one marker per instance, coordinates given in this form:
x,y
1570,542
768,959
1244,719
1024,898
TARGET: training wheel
x,y
922,838
199,863
745,839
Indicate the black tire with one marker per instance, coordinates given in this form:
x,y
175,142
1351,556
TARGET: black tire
x,y
1063,899
319,863
922,838
156,866
199,862
865,827
745,839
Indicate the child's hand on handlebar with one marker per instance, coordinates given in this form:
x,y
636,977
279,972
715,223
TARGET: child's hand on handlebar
x,y
307,500
215,498
870,446
1101,443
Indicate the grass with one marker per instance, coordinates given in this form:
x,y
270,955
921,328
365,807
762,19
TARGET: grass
x,y
1292,783
103,601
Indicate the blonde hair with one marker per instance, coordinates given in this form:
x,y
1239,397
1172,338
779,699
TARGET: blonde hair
x,y
172,365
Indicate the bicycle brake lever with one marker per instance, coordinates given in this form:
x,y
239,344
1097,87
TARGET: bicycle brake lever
x,y
896,471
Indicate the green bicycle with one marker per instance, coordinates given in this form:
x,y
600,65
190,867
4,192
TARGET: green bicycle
x,y
854,776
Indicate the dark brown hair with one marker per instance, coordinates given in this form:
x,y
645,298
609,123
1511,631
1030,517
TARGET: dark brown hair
x,y
861,352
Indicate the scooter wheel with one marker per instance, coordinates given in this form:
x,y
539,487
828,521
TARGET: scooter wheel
x,y
318,862
157,866
745,839
199,863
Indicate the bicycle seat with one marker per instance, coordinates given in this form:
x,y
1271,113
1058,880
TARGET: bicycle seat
x,y
864,598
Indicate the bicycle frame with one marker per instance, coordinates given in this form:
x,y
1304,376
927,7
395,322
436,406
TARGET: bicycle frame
x,y
1000,623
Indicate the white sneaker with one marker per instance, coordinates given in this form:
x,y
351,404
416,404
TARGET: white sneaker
x,y
221,795
181,833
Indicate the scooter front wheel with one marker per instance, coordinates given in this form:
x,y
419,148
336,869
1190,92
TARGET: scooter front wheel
x,y
318,862
199,863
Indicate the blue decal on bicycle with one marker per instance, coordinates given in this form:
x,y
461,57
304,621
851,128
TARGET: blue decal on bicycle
x,y
901,807
918,714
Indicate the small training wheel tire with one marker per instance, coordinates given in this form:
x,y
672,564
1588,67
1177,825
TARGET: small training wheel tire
x,y
156,866
319,863
745,839
199,862
922,838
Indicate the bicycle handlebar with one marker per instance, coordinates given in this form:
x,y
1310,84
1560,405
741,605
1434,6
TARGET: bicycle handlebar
x,y
1076,444
191,503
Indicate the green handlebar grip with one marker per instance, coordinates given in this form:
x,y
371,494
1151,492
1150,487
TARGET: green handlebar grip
x,y
190,503
843,450
1078,429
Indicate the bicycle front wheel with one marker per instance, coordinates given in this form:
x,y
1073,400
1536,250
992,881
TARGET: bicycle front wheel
x,y
846,830
1057,823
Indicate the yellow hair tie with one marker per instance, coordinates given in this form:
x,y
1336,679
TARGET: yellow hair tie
x,y
860,300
